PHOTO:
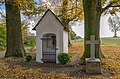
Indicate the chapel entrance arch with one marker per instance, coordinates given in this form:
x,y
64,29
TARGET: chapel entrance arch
x,y
49,47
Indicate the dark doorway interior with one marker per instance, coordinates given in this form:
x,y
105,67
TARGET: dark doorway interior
x,y
49,48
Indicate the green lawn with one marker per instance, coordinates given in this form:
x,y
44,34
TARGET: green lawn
x,y
110,41
104,41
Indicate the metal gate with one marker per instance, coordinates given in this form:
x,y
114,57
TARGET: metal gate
x,y
49,49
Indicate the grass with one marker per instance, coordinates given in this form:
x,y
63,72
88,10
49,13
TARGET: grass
x,y
104,41
110,41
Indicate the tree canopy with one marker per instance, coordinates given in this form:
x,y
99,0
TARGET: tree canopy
x,y
110,6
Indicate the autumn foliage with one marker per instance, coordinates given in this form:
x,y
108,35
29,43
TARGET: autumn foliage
x,y
110,66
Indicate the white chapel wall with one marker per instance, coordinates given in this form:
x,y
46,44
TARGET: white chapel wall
x,y
49,24
65,41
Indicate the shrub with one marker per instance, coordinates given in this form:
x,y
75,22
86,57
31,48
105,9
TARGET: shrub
x,y
78,37
28,58
71,56
2,37
29,41
63,58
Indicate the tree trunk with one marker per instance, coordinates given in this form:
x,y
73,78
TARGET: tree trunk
x,y
69,39
92,14
65,20
13,25
115,33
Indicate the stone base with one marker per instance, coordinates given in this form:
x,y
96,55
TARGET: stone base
x,y
93,66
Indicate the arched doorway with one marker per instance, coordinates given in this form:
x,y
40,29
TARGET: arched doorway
x,y
49,48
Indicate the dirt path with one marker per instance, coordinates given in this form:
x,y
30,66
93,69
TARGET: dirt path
x,y
71,70
2,54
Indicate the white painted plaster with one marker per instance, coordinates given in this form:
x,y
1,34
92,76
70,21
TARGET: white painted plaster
x,y
50,24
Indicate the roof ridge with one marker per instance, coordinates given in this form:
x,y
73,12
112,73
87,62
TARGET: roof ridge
x,y
54,16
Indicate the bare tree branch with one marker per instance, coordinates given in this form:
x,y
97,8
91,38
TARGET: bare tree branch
x,y
111,4
107,7
115,6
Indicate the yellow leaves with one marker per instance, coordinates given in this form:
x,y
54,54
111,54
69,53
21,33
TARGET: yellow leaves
x,y
76,49
25,4
111,63
29,7
70,10
19,72
110,66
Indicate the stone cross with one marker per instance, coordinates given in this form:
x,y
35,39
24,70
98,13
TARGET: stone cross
x,y
92,43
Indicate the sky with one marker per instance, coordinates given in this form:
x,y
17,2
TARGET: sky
x,y
2,9
79,29
104,28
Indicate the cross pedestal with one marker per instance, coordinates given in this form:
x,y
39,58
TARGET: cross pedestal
x,y
93,64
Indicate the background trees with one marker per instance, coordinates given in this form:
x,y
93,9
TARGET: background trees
x,y
2,35
68,11
114,24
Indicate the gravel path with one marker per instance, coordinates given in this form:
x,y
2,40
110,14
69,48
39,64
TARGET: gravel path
x,y
2,54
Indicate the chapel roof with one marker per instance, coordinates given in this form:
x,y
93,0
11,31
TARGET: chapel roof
x,y
66,29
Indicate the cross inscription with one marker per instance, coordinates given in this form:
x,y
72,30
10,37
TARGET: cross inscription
x,y
92,43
